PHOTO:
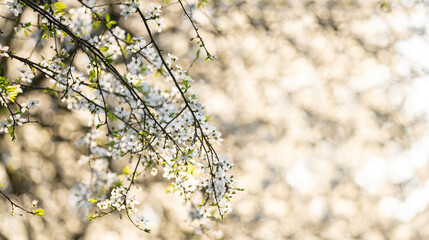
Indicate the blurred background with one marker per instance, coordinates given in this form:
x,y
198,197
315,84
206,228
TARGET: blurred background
x,y
323,106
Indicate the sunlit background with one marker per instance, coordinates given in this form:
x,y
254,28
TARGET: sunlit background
x,y
323,106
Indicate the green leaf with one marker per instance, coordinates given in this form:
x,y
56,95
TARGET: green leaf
x,y
60,5
39,212
107,17
92,217
92,75
111,116
126,170
118,183
1,185
11,132
185,83
92,200
50,91
386,6
109,60
95,25
104,49
12,91
110,23
44,27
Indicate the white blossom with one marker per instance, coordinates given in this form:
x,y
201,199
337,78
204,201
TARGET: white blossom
x,y
3,51
14,7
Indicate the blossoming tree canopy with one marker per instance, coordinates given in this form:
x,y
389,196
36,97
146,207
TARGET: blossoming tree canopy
x,y
157,125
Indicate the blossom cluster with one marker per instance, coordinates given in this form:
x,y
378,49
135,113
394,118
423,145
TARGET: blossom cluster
x,y
163,125
128,7
16,119
3,51
155,14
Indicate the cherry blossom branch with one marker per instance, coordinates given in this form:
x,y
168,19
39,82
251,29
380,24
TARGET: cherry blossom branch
x,y
209,56
162,128
99,54
196,121
13,204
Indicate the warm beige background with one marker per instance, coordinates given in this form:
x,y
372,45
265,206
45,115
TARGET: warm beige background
x,y
323,107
